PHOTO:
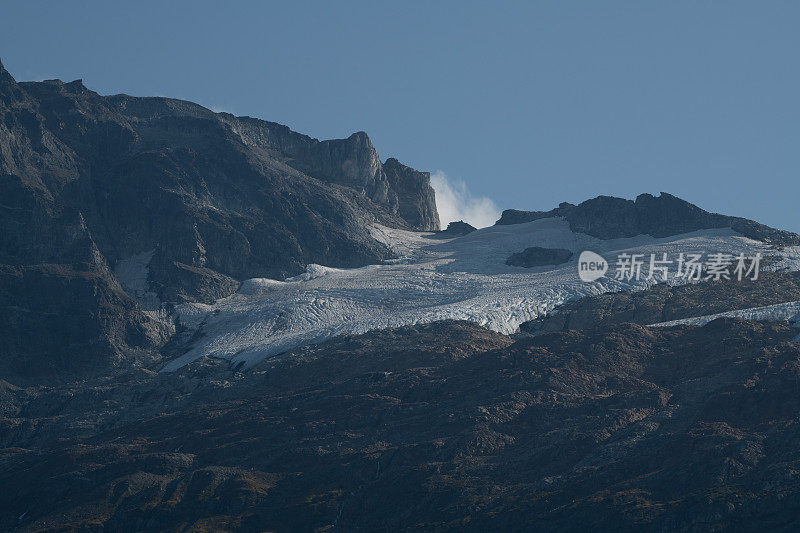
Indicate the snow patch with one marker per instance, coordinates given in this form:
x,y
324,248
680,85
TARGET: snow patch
x,y
132,275
786,311
790,259
259,286
315,271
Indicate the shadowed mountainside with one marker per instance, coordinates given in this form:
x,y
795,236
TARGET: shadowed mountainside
x,y
112,206
444,426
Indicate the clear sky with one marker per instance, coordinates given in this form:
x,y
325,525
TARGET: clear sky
x,y
529,104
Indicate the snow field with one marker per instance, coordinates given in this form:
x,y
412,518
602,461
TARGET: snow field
x,y
464,278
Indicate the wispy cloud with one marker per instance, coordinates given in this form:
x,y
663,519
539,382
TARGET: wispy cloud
x,y
455,202
222,109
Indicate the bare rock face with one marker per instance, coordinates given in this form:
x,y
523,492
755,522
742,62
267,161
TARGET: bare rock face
x,y
404,183
69,315
354,163
456,229
209,199
607,217
535,256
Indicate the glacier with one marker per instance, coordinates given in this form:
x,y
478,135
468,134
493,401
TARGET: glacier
x,y
462,278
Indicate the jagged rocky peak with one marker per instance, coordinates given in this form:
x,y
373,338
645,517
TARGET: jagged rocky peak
x,y
353,162
608,217
4,74
8,87
413,195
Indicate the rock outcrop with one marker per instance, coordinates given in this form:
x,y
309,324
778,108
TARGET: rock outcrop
x,y
536,256
607,217
455,229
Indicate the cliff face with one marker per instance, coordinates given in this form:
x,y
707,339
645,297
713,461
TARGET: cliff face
x,y
183,201
403,184
354,163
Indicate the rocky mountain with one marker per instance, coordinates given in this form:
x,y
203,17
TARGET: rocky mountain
x,y
214,323
607,217
116,202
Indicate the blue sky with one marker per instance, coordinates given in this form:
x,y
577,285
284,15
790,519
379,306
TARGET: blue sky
x,y
529,103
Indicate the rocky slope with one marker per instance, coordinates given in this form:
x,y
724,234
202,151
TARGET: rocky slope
x,y
439,427
184,202
664,303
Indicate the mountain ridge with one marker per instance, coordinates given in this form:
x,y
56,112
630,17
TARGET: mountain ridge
x,y
210,198
153,202
609,217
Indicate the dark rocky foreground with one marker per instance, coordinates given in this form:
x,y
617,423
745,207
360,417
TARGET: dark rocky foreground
x,y
445,426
